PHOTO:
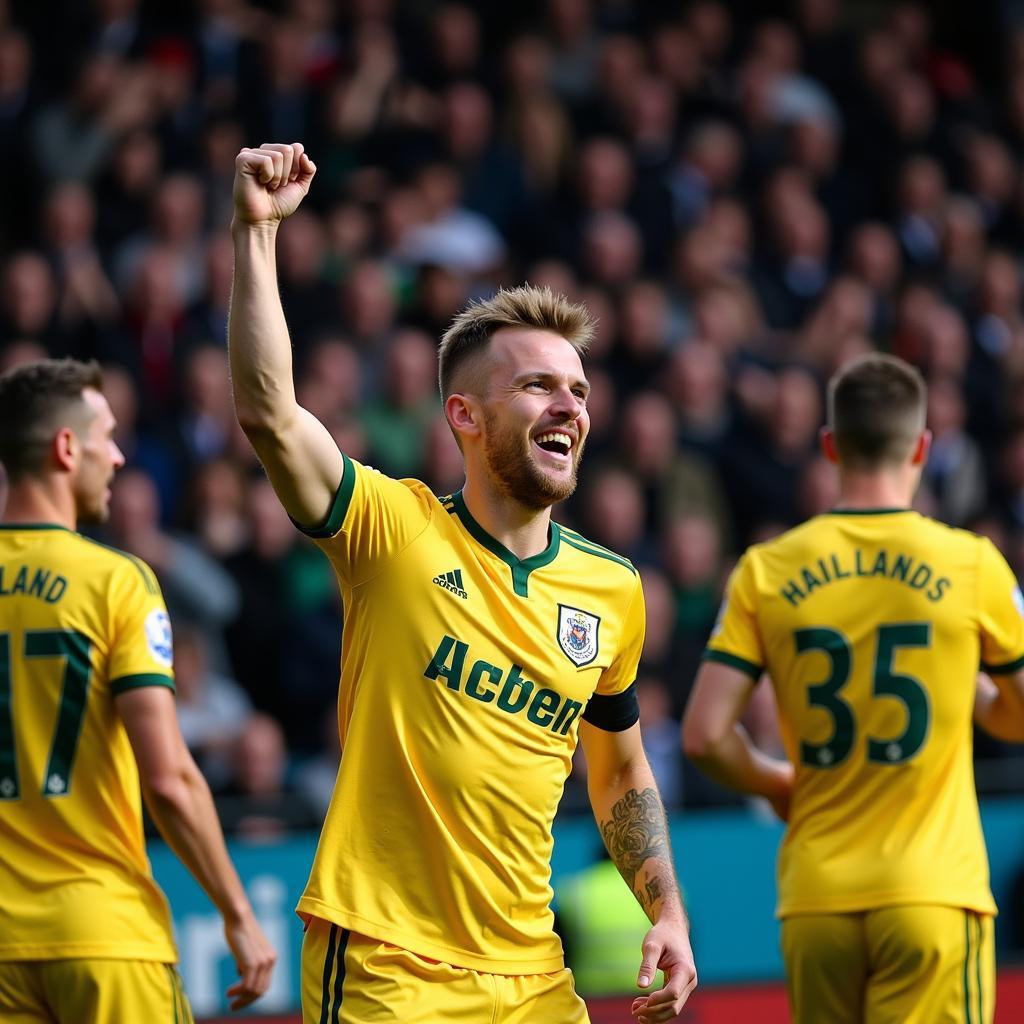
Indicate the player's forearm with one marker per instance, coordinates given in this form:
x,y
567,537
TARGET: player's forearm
x,y
634,828
734,761
182,809
999,713
258,343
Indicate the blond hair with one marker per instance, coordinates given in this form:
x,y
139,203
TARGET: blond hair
x,y
526,306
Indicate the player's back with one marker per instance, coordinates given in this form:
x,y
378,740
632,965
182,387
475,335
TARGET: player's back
x,y
79,623
872,627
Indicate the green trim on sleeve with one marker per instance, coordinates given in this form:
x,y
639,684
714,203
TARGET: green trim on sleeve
x,y
1005,669
733,661
339,507
139,680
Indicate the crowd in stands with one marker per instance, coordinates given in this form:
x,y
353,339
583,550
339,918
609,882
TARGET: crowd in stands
x,y
745,195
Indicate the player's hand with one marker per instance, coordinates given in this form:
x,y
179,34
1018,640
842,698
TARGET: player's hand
x,y
270,182
666,948
254,958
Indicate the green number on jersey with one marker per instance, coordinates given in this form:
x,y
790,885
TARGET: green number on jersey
x,y
826,695
885,683
74,649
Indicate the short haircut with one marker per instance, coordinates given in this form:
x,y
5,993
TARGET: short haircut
x,y
876,410
36,400
527,307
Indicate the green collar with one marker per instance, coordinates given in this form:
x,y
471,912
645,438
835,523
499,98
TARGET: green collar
x,y
865,511
34,526
521,567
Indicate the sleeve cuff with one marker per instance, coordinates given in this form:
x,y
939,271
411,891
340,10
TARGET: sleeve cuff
x,y
733,661
339,507
613,712
1005,669
136,682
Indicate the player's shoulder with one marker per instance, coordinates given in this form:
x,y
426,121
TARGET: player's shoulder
x,y
93,557
595,558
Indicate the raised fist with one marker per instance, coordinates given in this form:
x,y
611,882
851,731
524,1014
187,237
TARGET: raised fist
x,y
270,182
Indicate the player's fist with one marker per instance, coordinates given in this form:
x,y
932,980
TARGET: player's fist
x,y
270,182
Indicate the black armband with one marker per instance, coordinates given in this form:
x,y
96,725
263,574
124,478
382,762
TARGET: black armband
x,y
614,713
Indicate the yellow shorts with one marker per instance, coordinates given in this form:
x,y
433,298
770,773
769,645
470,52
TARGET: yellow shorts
x,y
351,979
91,992
894,965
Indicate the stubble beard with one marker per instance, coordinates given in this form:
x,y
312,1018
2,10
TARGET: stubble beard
x,y
517,474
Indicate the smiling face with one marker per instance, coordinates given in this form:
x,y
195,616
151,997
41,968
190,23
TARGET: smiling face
x,y
534,413
99,459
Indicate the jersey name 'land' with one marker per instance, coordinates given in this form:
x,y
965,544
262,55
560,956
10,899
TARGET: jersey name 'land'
x,y
41,583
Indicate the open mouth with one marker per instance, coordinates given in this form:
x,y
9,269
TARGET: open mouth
x,y
556,443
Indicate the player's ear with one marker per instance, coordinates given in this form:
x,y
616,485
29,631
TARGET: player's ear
x,y
65,448
464,415
827,440
921,448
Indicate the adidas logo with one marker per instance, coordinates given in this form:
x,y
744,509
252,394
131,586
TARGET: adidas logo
x,y
452,582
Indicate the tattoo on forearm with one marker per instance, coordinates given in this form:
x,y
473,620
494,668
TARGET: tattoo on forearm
x,y
652,890
635,834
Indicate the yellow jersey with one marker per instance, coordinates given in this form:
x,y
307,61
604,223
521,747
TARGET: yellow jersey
x,y
872,626
79,624
464,674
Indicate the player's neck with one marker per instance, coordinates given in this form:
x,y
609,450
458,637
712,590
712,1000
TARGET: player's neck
x,y
32,501
874,490
522,530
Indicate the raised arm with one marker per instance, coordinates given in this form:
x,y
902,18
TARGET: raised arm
x,y
632,821
181,806
299,455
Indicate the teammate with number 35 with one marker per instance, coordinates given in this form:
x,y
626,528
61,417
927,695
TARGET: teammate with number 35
x,y
872,621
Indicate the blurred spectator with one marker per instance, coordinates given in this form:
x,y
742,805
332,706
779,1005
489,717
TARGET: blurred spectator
x,y
761,469
197,590
672,482
258,635
176,230
258,802
449,235
212,709
73,137
661,739
955,470
307,297
18,99
396,423
215,507
614,514
86,299
28,303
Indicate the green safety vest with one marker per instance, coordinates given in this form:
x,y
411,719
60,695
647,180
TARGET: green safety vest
x,y
604,928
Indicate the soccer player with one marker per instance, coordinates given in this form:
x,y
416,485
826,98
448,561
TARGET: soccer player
x,y
86,714
480,641
871,621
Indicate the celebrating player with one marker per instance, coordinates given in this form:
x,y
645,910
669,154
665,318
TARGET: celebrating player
x,y
871,622
480,641
86,712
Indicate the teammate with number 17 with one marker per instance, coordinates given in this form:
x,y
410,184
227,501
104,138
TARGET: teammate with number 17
x,y
480,641
86,715
872,621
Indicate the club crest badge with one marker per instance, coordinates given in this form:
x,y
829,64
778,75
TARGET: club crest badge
x,y
577,635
